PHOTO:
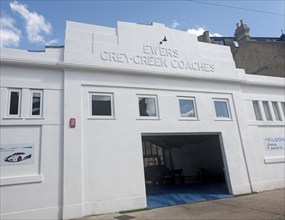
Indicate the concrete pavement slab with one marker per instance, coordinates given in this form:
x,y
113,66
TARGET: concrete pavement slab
x,y
264,205
269,201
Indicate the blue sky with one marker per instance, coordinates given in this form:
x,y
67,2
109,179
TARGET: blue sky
x,y
31,25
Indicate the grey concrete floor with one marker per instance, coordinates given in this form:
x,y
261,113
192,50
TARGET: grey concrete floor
x,y
264,205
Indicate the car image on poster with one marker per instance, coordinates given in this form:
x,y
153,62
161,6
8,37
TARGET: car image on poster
x,y
17,157
19,154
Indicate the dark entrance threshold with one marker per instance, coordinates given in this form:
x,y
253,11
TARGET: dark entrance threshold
x,y
169,195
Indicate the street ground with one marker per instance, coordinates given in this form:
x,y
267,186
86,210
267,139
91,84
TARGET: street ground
x,y
263,205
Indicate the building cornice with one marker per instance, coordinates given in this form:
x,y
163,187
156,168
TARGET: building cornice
x,y
29,62
243,79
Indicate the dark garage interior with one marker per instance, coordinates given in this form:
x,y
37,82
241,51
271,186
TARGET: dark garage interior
x,y
182,169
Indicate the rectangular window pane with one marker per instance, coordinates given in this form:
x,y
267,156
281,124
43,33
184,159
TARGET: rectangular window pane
x,y
101,105
276,111
36,105
267,110
221,108
147,106
220,42
187,108
283,107
14,103
257,111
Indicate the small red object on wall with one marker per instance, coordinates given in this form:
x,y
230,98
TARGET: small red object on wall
x,y
72,122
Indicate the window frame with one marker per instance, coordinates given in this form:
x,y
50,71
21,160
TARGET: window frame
x,y
149,156
276,111
225,100
194,107
258,109
32,91
91,116
18,115
283,108
270,118
156,106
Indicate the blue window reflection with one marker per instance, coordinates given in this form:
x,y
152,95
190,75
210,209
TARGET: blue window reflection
x,y
187,108
221,109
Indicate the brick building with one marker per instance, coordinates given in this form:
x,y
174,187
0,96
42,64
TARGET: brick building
x,y
257,55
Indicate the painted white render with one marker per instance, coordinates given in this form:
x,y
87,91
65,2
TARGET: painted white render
x,y
97,167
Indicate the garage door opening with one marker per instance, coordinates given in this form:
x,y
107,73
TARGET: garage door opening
x,y
183,169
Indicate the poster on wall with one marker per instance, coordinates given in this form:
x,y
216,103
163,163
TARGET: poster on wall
x,y
19,154
274,143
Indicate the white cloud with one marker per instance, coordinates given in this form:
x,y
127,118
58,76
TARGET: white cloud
x,y
51,42
9,34
175,24
199,31
215,35
36,25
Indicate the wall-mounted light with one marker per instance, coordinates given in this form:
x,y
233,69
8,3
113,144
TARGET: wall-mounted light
x,y
163,40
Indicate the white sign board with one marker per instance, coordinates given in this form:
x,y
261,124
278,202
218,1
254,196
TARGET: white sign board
x,y
17,154
274,143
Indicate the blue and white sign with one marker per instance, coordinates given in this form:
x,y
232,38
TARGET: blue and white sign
x,y
17,154
274,143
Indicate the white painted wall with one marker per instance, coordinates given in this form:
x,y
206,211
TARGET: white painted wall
x,y
267,166
97,167
118,141
32,191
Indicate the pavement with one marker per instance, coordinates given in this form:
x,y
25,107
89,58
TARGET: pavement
x,y
263,205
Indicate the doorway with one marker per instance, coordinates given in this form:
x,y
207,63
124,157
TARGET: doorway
x,y
183,169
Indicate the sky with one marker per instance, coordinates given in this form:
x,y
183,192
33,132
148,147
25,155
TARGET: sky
x,y
34,24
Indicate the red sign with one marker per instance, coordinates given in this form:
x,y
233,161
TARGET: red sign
x,y
72,122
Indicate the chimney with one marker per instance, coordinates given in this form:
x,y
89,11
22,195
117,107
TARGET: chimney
x,y
242,32
205,37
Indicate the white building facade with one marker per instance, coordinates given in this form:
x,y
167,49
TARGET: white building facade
x,y
62,156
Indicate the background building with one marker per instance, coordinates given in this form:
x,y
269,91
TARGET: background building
x,y
256,55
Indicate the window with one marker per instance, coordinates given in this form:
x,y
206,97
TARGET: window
x,y
14,102
257,111
219,41
276,111
187,107
152,154
236,43
101,105
267,111
148,106
222,109
283,107
36,103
